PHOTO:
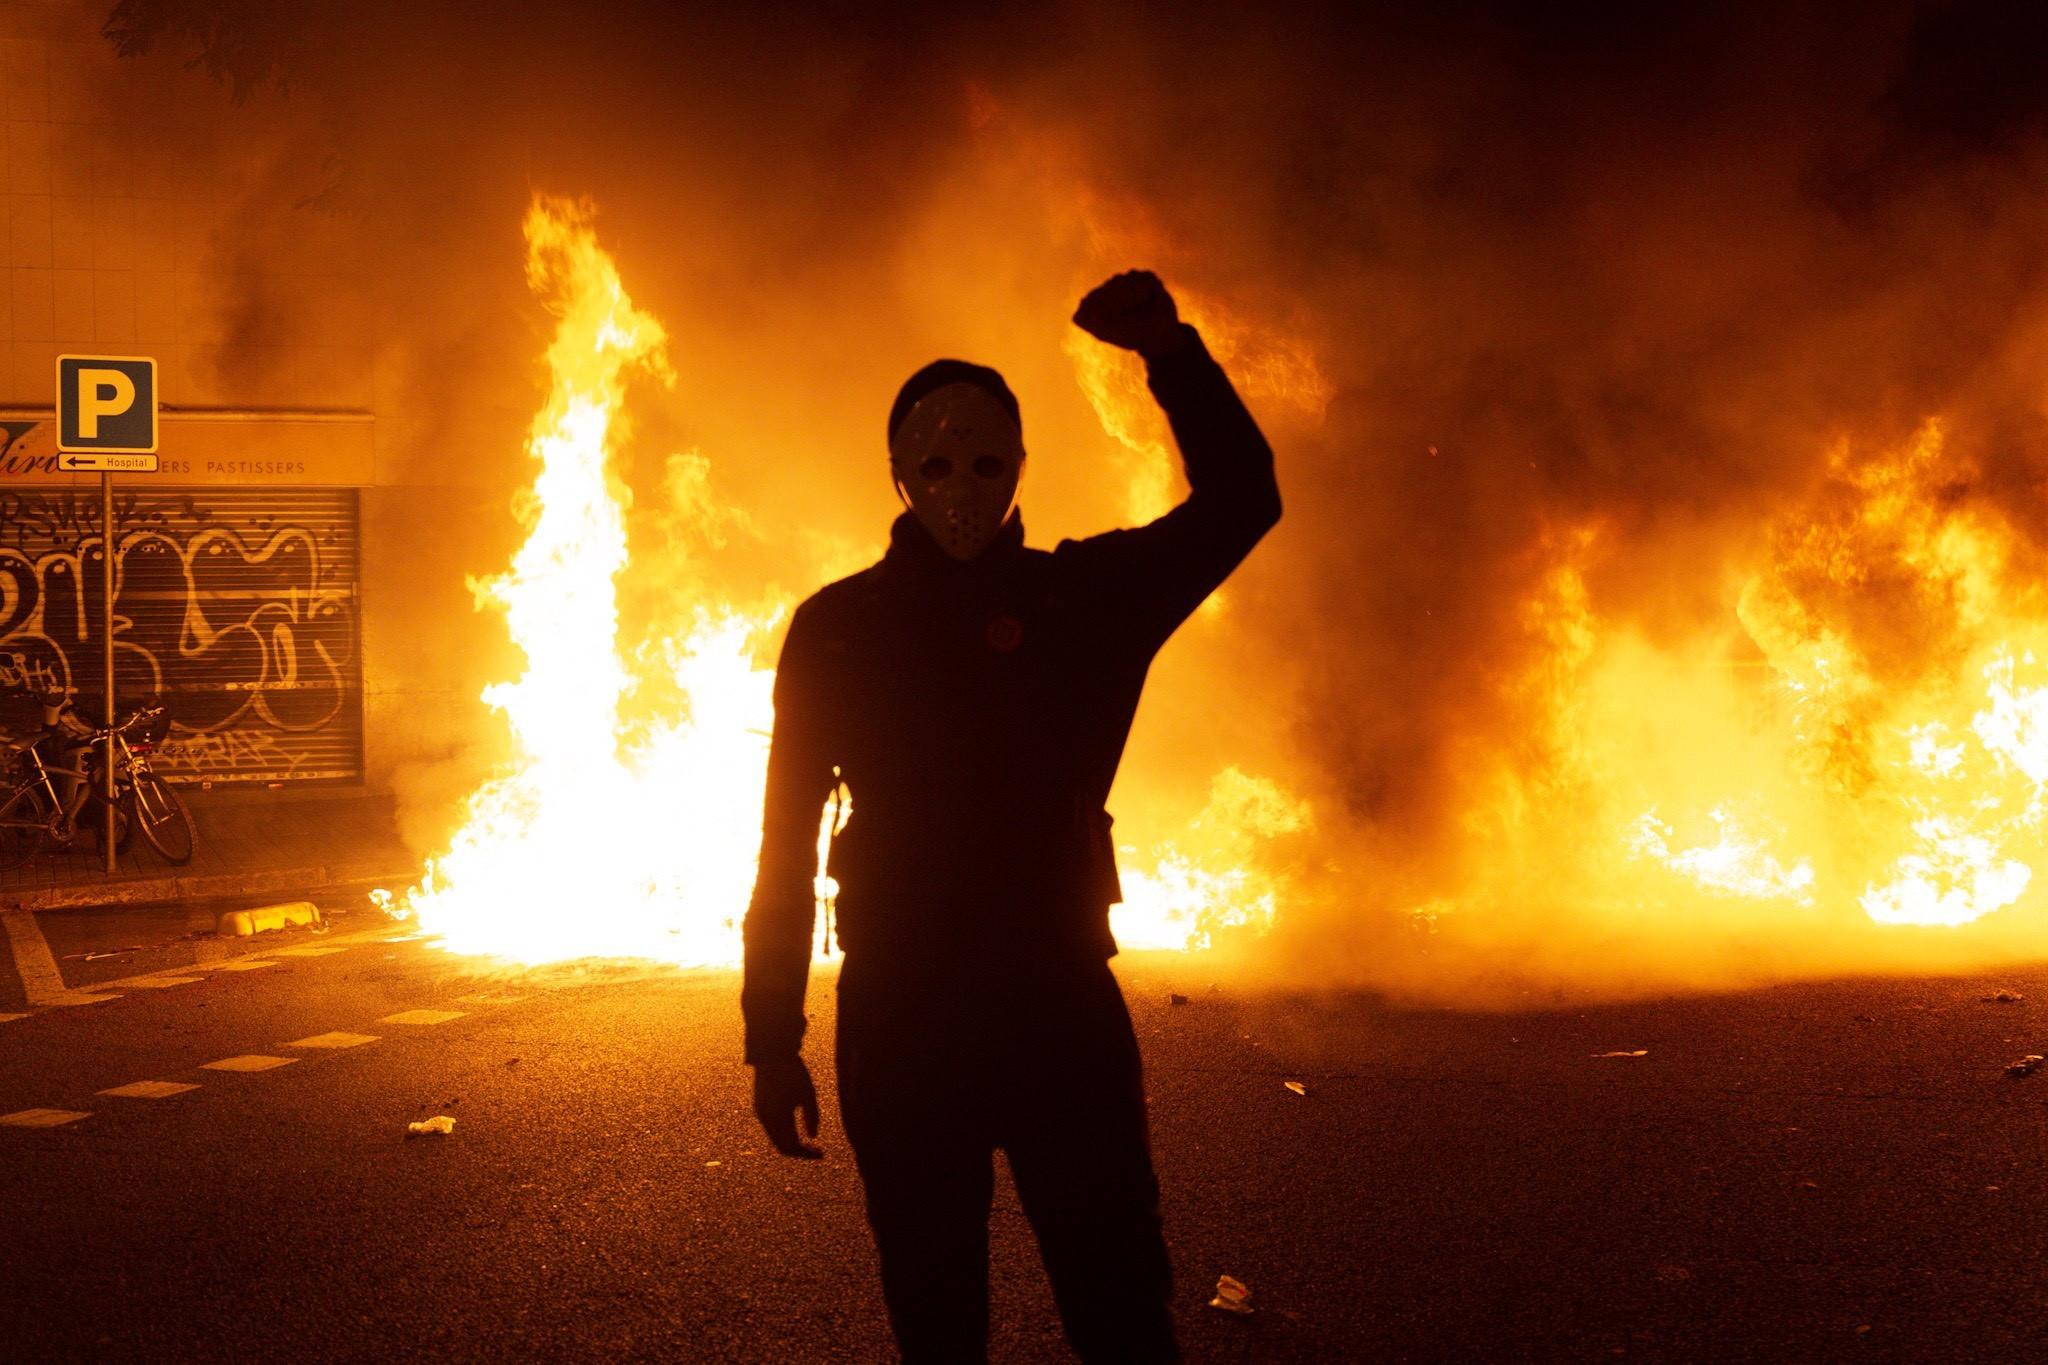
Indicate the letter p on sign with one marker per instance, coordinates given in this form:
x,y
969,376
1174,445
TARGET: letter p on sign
x,y
102,393
106,403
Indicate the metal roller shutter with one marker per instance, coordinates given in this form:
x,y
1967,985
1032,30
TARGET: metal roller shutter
x,y
238,607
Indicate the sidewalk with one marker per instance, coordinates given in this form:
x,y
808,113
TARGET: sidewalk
x,y
241,845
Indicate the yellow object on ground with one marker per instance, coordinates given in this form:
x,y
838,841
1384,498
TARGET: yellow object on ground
x,y
243,923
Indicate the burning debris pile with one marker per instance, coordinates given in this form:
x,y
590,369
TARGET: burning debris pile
x,y
1864,737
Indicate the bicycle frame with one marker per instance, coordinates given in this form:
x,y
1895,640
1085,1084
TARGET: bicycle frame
x,y
42,780
79,785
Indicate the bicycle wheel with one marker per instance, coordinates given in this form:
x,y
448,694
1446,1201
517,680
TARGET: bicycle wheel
x,y
162,818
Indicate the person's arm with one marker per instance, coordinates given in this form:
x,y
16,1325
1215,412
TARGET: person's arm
x,y
783,912
1162,571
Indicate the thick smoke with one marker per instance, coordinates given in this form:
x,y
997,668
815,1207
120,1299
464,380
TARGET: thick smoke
x,y
1628,267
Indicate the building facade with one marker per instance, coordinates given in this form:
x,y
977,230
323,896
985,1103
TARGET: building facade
x,y
237,589
291,583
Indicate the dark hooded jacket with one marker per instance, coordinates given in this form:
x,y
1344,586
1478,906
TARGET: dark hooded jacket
x,y
976,713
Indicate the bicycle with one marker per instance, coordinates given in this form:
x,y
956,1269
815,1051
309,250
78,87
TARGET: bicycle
x,y
143,798
44,802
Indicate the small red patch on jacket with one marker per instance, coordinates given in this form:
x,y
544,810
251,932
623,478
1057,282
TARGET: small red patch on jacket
x,y
1003,633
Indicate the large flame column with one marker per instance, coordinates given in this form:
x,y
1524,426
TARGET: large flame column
x,y
541,845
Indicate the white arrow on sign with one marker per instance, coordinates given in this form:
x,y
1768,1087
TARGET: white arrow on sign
x,y
105,462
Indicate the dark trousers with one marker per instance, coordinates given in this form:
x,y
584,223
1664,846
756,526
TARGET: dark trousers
x,y
934,1075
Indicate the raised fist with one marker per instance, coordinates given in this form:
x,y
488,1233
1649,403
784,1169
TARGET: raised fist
x,y
1131,310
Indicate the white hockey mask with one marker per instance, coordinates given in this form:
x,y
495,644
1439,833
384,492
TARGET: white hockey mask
x,y
957,457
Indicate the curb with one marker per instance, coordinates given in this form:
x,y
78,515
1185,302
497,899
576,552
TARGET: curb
x,y
155,890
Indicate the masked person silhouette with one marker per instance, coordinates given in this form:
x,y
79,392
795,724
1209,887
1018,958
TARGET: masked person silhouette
x,y
974,696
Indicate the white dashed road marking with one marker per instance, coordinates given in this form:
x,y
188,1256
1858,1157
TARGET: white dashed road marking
x,y
41,981
335,1040
149,1090
421,1017
42,1118
249,1061
45,988
43,984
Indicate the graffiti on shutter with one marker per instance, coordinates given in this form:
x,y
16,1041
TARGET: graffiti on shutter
x,y
237,608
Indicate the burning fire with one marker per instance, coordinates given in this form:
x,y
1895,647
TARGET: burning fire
x,y
632,831
603,838
1183,902
1866,740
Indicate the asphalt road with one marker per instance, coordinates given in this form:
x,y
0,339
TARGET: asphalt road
x,y
1837,1171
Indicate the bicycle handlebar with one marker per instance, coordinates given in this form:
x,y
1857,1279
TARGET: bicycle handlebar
x,y
147,713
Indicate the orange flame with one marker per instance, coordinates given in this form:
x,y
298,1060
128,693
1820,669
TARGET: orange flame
x,y
1867,743
602,839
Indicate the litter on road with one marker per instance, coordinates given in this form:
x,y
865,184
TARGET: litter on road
x,y
1639,1052
1176,998
2003,998
1297,1087
2025,1066
1232,1296
440,1124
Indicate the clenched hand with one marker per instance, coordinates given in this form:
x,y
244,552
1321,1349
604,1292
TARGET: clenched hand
x,y
1134,311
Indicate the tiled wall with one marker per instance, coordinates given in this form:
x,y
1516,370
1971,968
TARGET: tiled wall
x,y
127,229
146,213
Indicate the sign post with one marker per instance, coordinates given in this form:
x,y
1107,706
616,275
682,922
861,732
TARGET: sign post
x,y
107,421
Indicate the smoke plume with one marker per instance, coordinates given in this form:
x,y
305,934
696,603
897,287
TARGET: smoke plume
x,y
1566,322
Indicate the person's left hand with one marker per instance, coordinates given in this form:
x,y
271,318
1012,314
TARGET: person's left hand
x,y
1131,310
